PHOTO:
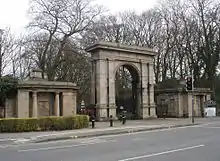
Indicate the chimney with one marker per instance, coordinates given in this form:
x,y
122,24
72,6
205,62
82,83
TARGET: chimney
x,y
36,74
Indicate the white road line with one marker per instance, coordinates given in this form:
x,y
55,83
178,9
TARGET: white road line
x,y
211,127
162,153
63,147
7,139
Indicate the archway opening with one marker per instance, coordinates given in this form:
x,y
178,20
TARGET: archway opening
x,y
126,91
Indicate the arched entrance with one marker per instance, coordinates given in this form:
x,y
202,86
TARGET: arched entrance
x,y
107,59
127,83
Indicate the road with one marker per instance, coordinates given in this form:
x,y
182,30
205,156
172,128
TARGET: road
x,y
198,143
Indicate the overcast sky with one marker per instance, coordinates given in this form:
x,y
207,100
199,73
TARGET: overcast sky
x,y
13,12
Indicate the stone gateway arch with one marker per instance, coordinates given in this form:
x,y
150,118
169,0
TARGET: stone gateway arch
x,y
107,59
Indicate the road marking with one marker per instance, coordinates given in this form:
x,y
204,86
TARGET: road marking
x,y
7,139
64,147
211,127
162,153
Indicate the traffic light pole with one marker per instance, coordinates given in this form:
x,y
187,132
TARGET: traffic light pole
x,y
193,98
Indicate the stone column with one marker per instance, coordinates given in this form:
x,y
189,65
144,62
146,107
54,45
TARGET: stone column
x,y
22,103
189,104
144,111
57,104
208,97
69,103
151,91
35,108
180,105
112,106
101,86
93,82
202,105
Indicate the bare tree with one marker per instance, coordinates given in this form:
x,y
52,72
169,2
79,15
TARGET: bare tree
x,y
8,46
61,19
207,12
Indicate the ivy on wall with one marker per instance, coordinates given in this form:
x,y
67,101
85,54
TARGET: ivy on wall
x,y
8,87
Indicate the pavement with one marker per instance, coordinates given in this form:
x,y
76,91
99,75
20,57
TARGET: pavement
x,y
101,128
194,143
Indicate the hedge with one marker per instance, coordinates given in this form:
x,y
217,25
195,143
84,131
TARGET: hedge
x,y
44,123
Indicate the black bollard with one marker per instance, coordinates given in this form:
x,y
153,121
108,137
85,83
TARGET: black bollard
x,y
93,123
111,121
123,119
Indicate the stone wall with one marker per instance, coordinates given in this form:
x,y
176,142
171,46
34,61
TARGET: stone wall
x,y
10,107
169,101
22,103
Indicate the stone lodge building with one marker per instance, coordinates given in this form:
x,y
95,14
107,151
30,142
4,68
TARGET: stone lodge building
x,y
38,97
176,102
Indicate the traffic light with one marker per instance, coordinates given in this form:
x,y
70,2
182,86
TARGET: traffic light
x,y
189,83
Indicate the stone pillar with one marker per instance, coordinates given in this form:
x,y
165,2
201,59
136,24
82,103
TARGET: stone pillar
x,y
57,104
151,88
196,103
144,111
180,105
23,104
69,103
190,105
101,86
93,82
112,105
35,107
208,97
202,105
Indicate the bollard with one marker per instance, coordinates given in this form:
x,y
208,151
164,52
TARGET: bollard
x,y
123,120
93,123
111,121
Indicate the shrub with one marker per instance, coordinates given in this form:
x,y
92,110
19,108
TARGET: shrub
x,y
43,123
81,121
